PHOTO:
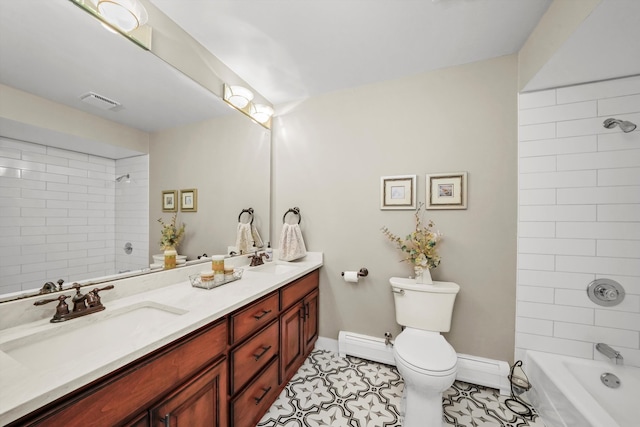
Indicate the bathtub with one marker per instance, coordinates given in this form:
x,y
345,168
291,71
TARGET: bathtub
x,y
567,391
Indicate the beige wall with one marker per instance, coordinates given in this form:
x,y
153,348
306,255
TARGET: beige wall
x,y
329,154
51,119
227,160
557,24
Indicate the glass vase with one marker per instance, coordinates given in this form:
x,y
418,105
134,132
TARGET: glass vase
x,y
422,275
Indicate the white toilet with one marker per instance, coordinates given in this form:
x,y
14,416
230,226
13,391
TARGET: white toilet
x,y
426,361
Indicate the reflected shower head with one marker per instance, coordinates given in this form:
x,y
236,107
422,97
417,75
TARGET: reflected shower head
x,y
626,126
125,177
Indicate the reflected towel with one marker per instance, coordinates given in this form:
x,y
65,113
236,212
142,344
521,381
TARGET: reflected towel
x,y
291,243
257,240
244,240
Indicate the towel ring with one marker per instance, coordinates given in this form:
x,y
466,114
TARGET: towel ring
x,y
295,211
249,211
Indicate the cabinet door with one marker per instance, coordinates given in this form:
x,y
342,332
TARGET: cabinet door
x,y
200,402
310,321
291,341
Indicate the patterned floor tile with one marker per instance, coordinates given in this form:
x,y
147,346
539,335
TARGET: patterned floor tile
x,y
329,390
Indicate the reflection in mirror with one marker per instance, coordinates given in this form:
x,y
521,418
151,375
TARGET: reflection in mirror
x,y
60,157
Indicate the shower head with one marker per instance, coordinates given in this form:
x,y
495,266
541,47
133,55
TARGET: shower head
x,y
624,125
126,178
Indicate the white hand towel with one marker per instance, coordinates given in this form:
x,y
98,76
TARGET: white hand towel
x,y
291,243
244,240
257,240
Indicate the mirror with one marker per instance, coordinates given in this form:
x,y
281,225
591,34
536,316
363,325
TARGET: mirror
x,y
168,133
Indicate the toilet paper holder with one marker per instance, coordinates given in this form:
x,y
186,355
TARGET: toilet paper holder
x,y
361,273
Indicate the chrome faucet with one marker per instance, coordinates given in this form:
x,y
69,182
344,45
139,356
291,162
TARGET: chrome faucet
x,y
610,353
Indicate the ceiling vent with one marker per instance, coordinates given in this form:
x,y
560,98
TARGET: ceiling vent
x,y
100,101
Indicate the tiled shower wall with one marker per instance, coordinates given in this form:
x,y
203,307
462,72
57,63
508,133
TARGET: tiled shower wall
x,y
578,219
58,215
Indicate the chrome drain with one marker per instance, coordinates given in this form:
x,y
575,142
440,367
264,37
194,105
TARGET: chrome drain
x,y
610,380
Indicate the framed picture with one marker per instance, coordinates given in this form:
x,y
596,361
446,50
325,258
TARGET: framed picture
x,y
169,201
189,200
447,191
398,192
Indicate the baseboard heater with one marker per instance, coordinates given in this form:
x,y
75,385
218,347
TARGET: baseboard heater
x,y
472,369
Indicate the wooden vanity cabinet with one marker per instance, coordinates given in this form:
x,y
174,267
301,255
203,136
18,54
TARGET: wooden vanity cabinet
x,y
227,373
298,323
125,396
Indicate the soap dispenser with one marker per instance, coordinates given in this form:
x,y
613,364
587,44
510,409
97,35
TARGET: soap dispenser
x,y
269,253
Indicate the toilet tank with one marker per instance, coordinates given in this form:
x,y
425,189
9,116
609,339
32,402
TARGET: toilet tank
x,y
426,307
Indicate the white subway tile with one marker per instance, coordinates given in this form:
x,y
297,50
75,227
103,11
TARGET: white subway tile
x,y
10,153
598,230
88,197
546,196
536,99
536,262
9,192
557,113
595,334
45,177
45,159
555,279
63,170
89,182
536,229
557,246
44,195
599,160
59,152
579,298
104,161
534,294
93,244
598,265
625,176
22,240
66,238
12,230
66,221
43,249
91,168
21,145
533,132
558,213
9,211
537,164
65,204
555,312
618,141
545,147
598,195
68,188
9,174
39,212
558,179
619,105
619,248
68,255
21,164
21,221
534,326
87,213
37,231
591,126
599,90
554,345
618,319
41,265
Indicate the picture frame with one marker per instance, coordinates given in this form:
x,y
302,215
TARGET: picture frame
x,y
446,190
398,192
189,200
170,201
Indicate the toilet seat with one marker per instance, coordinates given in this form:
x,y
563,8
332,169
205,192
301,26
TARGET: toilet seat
x,y
426,353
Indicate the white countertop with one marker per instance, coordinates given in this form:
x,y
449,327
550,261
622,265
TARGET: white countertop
x,y
83,350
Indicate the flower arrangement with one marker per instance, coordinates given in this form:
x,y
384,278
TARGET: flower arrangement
x,y
171,234
420,245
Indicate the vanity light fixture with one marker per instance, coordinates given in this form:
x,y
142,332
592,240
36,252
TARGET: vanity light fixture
x,y
127,15
260,112
237,96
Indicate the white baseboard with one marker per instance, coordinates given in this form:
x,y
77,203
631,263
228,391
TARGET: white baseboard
x,y
472,369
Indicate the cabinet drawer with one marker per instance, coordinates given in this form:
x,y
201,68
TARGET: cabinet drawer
x,y
297,290
251,356
253,403
254,317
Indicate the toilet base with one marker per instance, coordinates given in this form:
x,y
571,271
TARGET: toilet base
x,y
422,410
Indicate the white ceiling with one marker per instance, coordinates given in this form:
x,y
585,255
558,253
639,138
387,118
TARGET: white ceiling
x,y
292,49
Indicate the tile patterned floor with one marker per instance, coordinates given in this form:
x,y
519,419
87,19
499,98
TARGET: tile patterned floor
x,y
329,390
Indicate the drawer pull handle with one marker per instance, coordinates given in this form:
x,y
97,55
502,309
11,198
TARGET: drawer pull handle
x,y
261,315
265,390
167,420
265,348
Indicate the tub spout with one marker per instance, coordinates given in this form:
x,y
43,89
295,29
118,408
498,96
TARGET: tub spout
x,y
612,354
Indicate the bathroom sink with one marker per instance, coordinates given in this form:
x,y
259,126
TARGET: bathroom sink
x,y
274,268
95,335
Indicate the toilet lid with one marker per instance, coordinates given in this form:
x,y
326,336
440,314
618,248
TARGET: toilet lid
x,y
425,352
